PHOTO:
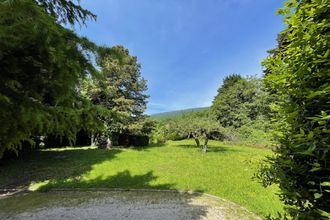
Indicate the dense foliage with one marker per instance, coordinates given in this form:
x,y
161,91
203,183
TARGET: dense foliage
x,y
122,90
242,109
239,101
42,65
298,74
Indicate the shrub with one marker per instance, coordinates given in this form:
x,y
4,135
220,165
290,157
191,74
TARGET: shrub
x,y
298,74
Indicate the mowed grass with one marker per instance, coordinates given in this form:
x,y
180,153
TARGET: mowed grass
x,y
225,171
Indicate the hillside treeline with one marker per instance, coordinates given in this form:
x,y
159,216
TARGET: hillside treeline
x,y
240,113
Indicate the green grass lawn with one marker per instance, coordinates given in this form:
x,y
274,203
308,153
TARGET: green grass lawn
x,y
225,171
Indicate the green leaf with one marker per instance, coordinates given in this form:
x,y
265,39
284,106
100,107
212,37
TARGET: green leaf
x,y
318,195
302,131
325,184
310,135
315,169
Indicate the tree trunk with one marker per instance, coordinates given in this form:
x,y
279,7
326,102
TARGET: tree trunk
x,y
197,142
205,144
92,140
109,143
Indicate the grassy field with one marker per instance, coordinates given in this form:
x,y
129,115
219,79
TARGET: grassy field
x,y
225,171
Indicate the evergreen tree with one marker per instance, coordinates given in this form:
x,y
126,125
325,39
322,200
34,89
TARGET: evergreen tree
x,y
121,89
42,65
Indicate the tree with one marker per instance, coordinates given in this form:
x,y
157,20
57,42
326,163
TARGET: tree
x,y
121,89
42,65
198,125
297,72
229,81
239,101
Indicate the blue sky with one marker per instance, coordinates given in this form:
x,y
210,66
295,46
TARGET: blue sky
x,y
186,47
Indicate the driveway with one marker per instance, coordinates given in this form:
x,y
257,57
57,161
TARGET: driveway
x,y
119,205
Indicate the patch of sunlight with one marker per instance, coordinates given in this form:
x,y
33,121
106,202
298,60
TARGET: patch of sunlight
x,y
70,148
34,186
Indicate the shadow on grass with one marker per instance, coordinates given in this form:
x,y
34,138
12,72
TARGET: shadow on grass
x,y
210,148
109,204
52,164
123,180
64,168
112,204
144,148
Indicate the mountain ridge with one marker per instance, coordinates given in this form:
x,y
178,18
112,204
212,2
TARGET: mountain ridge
x,y
176,113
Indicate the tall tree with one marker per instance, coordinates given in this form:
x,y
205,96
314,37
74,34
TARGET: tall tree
x,y
42,64
298,73
239,101
121,89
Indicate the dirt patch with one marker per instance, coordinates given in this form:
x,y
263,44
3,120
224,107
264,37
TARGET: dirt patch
x,y
119,205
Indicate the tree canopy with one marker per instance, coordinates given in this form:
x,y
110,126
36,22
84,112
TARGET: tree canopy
x,y
42,65
239,101
120,89
198,125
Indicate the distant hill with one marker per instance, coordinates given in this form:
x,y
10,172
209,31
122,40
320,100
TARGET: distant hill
x,y
175,114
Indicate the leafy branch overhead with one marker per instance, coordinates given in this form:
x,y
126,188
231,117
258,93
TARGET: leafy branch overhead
x,y
65,11
42,67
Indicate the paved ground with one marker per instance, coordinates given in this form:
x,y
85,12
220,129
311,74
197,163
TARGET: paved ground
x,y
119,205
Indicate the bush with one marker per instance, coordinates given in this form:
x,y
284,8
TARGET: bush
x,y
158,135
247,135
298,74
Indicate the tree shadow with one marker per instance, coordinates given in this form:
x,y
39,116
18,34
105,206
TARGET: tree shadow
x,y
210,148
149,203
42,165
123,180
142,148
64,168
